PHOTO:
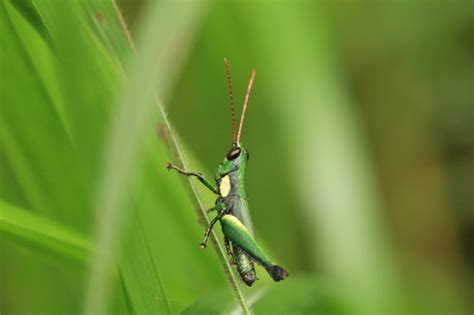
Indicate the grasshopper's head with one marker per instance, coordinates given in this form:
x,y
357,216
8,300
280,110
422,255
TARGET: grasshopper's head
x,y
237,153
236,158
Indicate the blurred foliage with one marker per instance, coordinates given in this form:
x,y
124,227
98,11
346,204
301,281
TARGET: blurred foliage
x,y
359,129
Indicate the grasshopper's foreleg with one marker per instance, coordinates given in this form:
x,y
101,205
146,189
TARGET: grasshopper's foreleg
x,y
203,244
199,176
220,207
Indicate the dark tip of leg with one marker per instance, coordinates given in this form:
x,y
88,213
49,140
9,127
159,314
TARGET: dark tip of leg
x,y
277,272
202,245
168,166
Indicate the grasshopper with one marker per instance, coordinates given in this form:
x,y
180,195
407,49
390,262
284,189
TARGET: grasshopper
x,y
231,204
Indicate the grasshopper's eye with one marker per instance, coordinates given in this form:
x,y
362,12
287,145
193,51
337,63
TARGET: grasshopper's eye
x,y
233,154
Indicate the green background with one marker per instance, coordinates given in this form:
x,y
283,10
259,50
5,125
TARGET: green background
x,y
360,136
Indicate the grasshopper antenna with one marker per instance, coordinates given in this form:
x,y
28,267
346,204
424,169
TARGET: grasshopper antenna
x,y
246,101
231,99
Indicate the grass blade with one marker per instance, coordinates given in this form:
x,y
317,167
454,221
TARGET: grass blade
x,y
154,67
28,9
199,198
41,234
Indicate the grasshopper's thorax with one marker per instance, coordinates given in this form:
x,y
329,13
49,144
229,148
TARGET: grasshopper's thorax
x,y
231,174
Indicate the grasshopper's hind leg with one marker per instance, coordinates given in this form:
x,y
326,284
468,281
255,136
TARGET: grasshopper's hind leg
x,y
238,234
229,251
227,246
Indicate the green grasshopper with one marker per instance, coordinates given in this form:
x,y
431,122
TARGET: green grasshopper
x,y
231,204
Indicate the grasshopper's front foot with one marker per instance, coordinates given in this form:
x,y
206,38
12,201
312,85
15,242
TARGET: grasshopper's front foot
x,y
202,245
170,166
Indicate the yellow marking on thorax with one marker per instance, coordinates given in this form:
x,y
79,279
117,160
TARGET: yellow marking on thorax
x,y
224,186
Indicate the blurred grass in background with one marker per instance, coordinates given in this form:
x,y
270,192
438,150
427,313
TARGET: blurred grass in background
x,y
359,129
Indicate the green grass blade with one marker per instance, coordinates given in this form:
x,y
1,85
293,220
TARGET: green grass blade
x,y
43,235
28,9
199,197
35,170
154,67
